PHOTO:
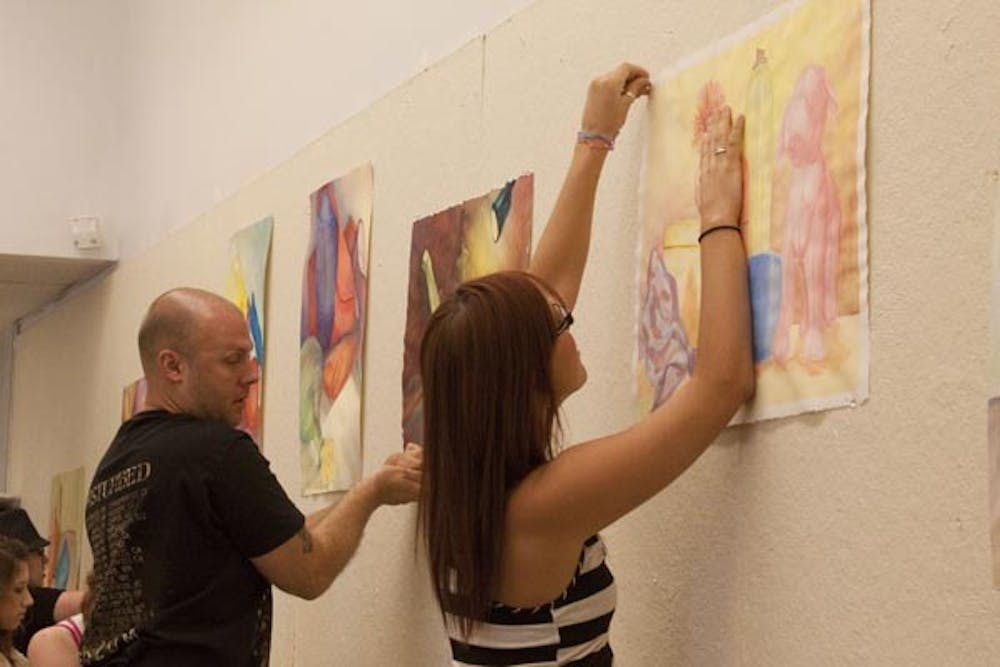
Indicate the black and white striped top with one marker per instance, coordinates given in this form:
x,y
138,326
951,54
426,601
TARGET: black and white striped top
x,y
572,630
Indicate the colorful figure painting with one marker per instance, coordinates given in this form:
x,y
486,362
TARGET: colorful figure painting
x,y
800,77
246,286
65,529
334,302
477,237
133,399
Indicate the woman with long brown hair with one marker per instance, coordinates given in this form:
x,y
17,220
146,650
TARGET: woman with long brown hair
x,y
512,527
14,598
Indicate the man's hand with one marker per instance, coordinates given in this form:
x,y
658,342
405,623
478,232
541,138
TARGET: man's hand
x,y
398,480
307,563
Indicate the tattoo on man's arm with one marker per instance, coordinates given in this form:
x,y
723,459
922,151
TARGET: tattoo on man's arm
x,y
307,545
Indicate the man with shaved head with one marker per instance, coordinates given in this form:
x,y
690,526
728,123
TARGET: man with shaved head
x,y
188,526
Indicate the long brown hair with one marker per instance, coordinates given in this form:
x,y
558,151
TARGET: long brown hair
x,y
489,412
12,553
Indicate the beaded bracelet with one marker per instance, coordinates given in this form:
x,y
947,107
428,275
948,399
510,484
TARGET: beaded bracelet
x,y
595,140
708,231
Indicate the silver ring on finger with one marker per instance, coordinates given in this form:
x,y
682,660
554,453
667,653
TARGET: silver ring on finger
x,y
719,150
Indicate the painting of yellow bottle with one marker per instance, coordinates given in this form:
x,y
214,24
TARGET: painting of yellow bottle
x,y
800,78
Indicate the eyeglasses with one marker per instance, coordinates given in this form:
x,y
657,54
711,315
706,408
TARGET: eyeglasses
x,y
565,318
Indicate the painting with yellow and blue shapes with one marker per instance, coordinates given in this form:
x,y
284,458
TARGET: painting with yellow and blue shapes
x,y
246,287
482,235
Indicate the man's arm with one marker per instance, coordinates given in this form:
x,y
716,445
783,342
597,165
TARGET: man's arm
x,y
67,605
306,564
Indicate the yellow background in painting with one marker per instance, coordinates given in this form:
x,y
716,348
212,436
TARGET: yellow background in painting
x,y
816,33
810,35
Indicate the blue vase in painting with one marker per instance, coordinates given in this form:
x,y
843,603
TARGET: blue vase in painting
x,y
765,301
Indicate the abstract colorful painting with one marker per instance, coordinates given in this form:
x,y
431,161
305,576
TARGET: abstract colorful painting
x,y
65,529
246,286
800,77
479,236
133,398
334,302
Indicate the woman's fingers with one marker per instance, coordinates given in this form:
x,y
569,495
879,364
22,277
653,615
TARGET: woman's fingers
x,y
636,88
632,81
719,193
610,96
720,127
736,136
626,71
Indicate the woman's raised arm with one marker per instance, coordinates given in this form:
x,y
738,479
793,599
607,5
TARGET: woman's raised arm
x,y
591,485
561,254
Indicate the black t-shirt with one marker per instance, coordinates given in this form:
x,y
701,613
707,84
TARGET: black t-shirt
x,y
177,508
41,614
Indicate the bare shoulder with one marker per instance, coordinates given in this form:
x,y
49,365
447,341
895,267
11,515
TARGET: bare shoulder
x,y
537,561
52,645
528,514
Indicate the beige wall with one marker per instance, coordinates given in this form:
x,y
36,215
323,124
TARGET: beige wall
x,y
148,113
59,73
856,536
220,92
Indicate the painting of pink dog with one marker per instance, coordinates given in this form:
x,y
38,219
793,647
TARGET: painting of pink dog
x,y
800,78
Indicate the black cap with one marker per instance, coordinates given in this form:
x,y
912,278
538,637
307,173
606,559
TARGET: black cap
x,y
16,523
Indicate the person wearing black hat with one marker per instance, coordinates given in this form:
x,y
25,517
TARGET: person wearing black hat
x,y
51,604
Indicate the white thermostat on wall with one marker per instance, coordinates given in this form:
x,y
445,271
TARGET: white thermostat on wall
x,y
86,231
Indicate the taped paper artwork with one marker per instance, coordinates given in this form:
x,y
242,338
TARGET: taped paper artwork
x,y
246,286
334,303
480,236
800,77
133,399
66,503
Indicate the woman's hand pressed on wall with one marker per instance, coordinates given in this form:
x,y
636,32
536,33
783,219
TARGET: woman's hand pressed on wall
x,y
720,182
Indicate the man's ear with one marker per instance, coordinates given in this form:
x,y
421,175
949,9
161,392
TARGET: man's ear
x,y
171,365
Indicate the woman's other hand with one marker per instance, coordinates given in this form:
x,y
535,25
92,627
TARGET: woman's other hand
x,y
610,96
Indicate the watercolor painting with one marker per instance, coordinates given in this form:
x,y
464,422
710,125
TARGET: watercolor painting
x,y
66,502
994,362
993,406
133,399
800,77
477,237
993,410
334,304
246,286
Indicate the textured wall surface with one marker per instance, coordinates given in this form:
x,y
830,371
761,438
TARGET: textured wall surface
x,y
856,536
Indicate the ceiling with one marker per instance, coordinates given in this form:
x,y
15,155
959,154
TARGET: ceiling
x,y
29,282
